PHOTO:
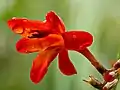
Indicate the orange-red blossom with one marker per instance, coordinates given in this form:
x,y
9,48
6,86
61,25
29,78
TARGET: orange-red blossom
x,y
49,39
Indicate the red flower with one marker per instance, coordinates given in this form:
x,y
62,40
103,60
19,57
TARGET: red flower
x,y
49,38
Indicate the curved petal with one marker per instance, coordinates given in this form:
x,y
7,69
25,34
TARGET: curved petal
x,y
25,26
29,45
77,40
56,21
26,45
65,64
41,63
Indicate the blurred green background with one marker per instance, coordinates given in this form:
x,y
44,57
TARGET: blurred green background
x,y
100,17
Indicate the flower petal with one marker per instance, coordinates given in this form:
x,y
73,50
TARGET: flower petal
x,y
26,45
24,26
65,64
41,63
77,40
29,45
56,21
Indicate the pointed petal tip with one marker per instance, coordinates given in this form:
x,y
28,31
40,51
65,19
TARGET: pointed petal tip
x,y
70,72
55,21
33,81
74,72
51,12
36,77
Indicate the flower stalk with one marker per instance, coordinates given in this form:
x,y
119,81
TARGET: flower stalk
x,y
110,76
100,68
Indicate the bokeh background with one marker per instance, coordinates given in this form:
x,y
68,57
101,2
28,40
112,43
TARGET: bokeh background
x,y
99,17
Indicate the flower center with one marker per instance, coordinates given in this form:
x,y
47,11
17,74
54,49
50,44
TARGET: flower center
x,y
38,34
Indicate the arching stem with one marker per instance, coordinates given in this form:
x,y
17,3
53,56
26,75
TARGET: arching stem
x,y
101,69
